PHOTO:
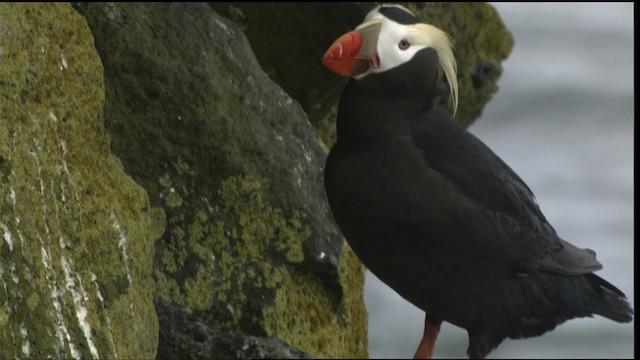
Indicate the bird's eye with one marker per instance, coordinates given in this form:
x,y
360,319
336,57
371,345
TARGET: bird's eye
x,y
404,44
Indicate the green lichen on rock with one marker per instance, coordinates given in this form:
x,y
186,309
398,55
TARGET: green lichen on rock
x,y
227,247
243,245
322,330
76,255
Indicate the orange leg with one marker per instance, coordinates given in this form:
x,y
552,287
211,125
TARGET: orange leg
x,y
428,342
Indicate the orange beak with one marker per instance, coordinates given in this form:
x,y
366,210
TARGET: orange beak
x,y
350,54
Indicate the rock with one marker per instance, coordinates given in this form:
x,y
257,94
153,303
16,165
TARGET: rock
x,y
76,233
250,246
191,336
289,41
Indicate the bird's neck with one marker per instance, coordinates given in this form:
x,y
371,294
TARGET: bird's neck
x,y
369,118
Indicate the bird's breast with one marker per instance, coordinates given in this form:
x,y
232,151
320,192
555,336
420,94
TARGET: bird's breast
x,y
381,194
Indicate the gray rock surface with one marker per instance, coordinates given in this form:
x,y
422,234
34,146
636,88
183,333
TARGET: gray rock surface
x,y
189,337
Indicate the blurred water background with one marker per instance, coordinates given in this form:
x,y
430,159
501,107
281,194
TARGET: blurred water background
x,y
563,119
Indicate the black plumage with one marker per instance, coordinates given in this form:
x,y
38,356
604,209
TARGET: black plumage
x,y
441,219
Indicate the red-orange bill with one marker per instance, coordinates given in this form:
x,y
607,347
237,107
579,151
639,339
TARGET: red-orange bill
x,y
351,53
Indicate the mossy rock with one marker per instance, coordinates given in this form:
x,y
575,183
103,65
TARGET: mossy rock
x,y
250,248
77,233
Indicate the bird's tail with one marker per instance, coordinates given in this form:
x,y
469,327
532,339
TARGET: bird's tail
x,y
613,304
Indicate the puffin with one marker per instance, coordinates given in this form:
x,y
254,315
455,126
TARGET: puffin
x,y
432,211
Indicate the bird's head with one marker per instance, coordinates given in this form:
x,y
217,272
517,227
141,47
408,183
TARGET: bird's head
x,y
390,37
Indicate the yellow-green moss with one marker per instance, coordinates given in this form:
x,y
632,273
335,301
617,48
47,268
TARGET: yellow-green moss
x,y
168,288
195,298
33,301
4,318
173,200
165,181
231,248
82,228
321,326
235,252
352,274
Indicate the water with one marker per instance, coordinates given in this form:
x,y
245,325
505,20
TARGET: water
x,y
563,120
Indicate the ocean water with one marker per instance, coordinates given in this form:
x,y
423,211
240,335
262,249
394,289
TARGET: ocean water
x,y
563,119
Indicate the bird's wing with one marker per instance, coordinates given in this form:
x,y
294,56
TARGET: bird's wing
x,y
483,177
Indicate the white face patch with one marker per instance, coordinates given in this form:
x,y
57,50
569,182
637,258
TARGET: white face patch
x,y
389,54
398,44
389,46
